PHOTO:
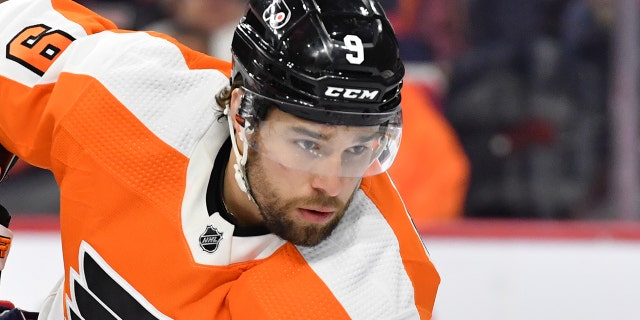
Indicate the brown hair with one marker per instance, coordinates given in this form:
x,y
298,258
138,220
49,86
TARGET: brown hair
x,y
223,98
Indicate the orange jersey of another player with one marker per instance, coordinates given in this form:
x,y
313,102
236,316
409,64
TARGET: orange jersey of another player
x,y
431,170
126,121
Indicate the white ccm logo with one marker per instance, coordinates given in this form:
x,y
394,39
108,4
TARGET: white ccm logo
x,y
356,94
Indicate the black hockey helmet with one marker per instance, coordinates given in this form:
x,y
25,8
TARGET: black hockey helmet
x,y
334,64
326,61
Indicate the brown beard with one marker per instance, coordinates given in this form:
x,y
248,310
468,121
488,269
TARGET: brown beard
x,y
274,210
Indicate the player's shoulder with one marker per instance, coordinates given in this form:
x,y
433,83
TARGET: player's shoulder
x,y
381,190
196,59
136,52
378,185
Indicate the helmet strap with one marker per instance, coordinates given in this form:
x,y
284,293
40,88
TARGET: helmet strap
x,y
241,159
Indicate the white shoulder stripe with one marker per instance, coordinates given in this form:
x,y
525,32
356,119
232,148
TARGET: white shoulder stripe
x,y
150,77
361,264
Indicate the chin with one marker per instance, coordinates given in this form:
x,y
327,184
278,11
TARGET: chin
x,y
311,234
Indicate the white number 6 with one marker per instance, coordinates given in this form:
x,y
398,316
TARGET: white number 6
x,y
354,44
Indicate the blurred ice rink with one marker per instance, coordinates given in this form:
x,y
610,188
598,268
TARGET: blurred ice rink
x,y
33,267
483,278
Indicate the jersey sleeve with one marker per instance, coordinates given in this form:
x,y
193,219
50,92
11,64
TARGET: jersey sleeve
x,y
33,35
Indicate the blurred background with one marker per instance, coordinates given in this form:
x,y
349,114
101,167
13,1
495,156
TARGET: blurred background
x,y
519,159
524,117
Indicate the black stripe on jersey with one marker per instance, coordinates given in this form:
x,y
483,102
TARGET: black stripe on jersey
x,y
73,315
89,307
100,293
111,293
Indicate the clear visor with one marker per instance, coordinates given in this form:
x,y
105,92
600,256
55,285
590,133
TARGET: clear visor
x,y
323,149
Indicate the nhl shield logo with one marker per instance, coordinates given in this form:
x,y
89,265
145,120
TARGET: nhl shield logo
x,y
210,239
277,14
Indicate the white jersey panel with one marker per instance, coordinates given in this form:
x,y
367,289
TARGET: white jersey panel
x,y
175,103
16,16
361,264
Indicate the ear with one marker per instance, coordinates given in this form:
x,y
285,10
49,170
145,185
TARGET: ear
x,y
236,100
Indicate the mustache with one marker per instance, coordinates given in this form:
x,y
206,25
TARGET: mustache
x,y
317,200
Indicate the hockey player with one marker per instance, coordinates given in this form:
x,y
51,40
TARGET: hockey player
x,y
192,189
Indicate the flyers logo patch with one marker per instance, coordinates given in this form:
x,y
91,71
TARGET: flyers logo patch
x,y
98,292
277,14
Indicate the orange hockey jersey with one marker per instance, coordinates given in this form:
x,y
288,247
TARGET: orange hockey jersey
x,y
126,122
431,170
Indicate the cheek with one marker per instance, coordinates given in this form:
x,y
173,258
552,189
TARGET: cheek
x,y
350,186
294,182
281,179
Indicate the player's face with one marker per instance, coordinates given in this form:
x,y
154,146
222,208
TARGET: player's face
x,y
300,206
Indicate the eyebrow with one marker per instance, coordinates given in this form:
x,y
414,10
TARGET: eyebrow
x,y
307,132
321,136
368,138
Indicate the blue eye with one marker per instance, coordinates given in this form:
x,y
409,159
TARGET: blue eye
x,y
306,144
357,150
310,147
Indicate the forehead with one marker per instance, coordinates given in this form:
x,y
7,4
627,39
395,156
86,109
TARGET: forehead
x,y
281,120
277,116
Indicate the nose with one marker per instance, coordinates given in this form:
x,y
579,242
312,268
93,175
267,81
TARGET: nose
x,y
327,175
329,185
